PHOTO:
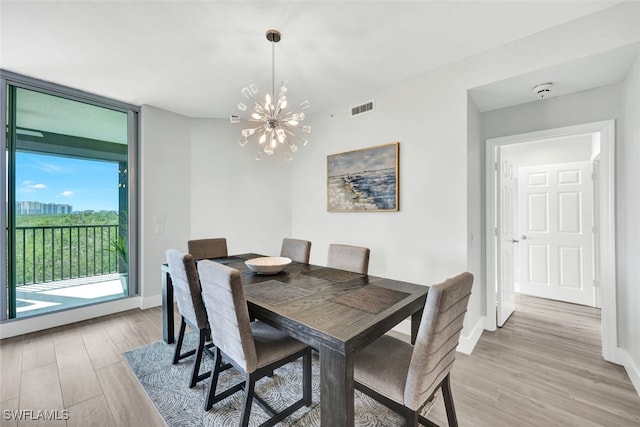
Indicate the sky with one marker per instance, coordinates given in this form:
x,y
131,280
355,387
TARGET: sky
x,y
83,184
370,159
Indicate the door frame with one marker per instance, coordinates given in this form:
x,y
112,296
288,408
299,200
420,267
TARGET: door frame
x,y
606,213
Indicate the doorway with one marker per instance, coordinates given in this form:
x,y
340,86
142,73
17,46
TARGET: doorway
x,y
501,241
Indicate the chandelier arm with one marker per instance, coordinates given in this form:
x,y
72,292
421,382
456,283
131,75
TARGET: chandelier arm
x,y
286,126
249,120
259,109
288,114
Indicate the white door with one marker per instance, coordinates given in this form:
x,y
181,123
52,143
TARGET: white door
x,y
555,229
505,298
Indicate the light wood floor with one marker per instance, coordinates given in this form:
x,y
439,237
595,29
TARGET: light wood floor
x,y
543,368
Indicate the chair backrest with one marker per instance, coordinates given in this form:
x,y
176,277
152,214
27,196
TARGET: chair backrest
x,y
186,288
437,339
350,258
208,248
296,249
226,306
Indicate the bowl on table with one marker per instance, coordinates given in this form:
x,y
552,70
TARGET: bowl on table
x,y
268,264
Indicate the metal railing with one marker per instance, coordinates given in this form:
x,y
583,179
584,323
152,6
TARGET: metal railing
x,y
51,253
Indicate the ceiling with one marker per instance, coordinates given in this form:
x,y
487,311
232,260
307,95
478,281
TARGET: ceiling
x,y
194,57
589,72
571,148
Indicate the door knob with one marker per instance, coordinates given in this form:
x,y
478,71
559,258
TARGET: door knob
x,y
515,241
523,237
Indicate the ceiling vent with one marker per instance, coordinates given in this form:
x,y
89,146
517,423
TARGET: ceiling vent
x,y
357,110
543,90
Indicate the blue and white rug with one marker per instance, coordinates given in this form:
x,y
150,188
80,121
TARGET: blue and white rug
x,y
168,387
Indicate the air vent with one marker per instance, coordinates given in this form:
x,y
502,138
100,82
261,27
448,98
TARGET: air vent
x,y
361,109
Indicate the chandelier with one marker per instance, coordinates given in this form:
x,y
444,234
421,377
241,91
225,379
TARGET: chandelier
x,y
270,123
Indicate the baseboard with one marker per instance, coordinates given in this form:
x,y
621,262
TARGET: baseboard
x,y
150,302
630,366
15,327
469,341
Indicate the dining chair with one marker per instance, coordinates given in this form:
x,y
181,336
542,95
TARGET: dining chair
x,y
405,377
350,258
208,248
187,292
296,249
255,349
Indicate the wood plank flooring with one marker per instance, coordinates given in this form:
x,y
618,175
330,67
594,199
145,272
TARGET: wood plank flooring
x,y
543,368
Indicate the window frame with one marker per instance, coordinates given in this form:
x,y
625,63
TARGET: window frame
x,y
7,79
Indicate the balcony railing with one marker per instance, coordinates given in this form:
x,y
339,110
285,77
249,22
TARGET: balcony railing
x,y
47,254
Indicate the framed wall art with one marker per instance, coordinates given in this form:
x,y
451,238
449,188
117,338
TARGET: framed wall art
x,y
363,180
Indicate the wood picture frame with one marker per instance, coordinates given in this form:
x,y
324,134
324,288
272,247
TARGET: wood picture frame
x,y
364,180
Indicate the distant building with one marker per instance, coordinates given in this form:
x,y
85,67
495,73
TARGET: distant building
x,y
38,208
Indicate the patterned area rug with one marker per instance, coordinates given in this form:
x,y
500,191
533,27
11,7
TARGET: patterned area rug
x,y
168,387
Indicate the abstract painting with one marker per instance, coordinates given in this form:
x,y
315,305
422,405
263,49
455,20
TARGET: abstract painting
x,y
363,180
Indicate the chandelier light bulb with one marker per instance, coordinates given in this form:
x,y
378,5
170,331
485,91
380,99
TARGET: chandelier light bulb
x,y
272,120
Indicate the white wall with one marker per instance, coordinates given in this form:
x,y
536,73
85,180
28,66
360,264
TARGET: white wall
x,y
593,105
402,243
235,196
476,217
628,203
165,196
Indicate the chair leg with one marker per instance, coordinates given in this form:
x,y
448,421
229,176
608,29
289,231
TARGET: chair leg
x,y
195,377
412,418
217,362
176,354
248,400
218,367
448,402
248,384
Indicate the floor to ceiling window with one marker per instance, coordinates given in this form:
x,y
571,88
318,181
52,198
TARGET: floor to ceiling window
x,y
68,191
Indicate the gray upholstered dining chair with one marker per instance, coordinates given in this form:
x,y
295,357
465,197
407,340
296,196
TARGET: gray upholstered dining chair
x,y
404,377
187,291
208,248
296,249
350,258
255,349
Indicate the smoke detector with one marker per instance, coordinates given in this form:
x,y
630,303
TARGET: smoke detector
x,y
543,90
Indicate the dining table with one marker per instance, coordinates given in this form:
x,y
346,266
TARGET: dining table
x,y
336,312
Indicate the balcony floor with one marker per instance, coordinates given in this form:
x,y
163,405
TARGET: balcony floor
x,y
62,294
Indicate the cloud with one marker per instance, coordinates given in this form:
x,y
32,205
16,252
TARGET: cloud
x,y
30,185
67,193
51,167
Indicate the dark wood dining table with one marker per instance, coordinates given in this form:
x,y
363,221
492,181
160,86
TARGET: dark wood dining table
x,y
334,311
